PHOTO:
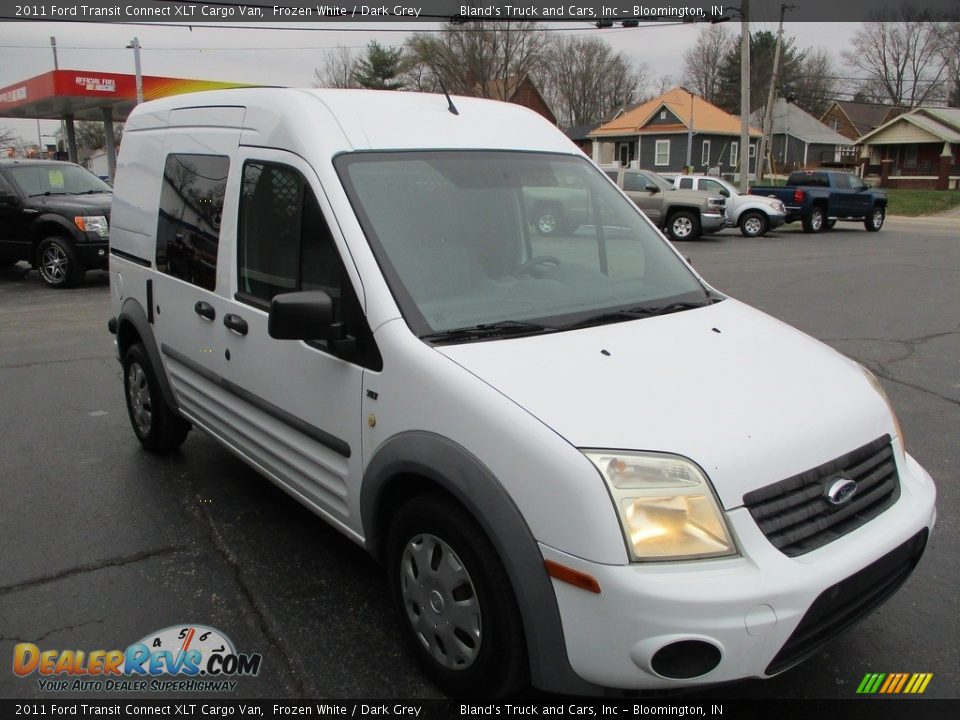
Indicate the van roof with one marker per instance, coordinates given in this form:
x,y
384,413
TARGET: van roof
x,y
369,119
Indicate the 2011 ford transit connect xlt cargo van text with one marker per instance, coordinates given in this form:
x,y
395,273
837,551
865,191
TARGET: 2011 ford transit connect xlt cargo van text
x,y
347,290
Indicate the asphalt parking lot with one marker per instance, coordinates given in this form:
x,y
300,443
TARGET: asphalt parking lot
x,y
103,544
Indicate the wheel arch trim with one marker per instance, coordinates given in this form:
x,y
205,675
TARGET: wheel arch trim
x,y
454,469
132,313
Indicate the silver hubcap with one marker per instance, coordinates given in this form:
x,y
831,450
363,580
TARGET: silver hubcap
x,y
682,226
138,392
753,225
53,264
547,223
877,218
440,602
816,220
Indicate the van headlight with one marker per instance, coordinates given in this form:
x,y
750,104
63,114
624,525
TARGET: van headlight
x,y
666,506
875,383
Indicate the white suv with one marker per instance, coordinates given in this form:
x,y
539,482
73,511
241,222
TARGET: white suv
x,y
346,289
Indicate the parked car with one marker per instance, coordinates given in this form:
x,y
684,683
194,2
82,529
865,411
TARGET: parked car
x,y
753,214
56,216
343,289
818,198
684,214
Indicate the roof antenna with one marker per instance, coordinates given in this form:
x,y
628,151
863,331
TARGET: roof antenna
x,y
450,106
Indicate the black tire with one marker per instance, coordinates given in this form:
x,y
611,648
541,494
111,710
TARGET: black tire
x,y
683,225
874,221
814,219
829,224
57,263
483,652
158,428
549,220
754,223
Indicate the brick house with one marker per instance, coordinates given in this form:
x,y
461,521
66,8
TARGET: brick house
x,y
519,91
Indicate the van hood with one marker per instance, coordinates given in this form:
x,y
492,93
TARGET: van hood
x,y
749,399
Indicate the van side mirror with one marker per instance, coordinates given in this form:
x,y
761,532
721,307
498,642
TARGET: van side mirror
x,y
303,316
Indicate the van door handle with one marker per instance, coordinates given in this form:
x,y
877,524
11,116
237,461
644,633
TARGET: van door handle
x,y
205,310
235,323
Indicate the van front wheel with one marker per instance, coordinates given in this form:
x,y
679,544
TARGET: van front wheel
x,y
456,605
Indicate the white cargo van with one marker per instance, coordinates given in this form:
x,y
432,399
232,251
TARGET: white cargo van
x,y
347,290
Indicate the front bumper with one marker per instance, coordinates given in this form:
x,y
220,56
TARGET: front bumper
x,y
747,608
93,254
711,223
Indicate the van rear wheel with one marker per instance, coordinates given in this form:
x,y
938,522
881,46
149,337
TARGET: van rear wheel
x,y
456,604
158,428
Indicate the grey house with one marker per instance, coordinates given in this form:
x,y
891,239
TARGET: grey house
x,y
654,136
801,141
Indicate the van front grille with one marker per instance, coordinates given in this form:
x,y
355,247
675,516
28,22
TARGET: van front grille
x,y
797,515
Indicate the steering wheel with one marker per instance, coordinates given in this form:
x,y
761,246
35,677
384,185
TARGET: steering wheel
x,y
538,261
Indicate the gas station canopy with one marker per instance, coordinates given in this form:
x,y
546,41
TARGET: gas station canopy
x,y
84,95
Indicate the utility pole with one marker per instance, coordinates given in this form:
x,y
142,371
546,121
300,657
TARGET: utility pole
x,y
53,45
135,46
744,95
767,128
690,134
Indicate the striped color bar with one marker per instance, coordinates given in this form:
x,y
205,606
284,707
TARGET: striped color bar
x,y
894,683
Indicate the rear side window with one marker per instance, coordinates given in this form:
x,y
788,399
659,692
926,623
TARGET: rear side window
x,y
686,183
809,179
191,206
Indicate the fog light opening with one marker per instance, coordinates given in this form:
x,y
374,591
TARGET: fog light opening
x,y
685,659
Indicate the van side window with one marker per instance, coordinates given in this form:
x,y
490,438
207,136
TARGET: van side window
x,y
188,227
284,245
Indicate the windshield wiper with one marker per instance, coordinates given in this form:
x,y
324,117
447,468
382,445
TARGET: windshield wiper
x,y
487,330
642,311
51,192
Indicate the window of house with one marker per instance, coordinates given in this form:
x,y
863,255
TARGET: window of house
x,y
734,153
752,150
663,114
662,153
705,153
911,155
188,225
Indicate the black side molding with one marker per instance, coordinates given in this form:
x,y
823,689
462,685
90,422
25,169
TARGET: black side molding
x,y
341,447
136,259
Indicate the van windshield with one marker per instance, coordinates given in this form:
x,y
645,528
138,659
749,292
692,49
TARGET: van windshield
x,y
529,241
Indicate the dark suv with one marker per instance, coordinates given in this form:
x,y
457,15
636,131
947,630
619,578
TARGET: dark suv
x,y
56,216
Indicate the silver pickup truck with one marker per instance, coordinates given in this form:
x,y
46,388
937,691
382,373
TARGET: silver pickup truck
x,y
683,214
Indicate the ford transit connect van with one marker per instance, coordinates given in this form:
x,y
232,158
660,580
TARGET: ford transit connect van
x,y
347,290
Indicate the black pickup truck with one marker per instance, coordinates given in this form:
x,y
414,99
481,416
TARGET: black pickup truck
x,y
56,216
818,198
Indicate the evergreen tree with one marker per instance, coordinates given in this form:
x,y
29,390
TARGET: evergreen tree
x,y
380,68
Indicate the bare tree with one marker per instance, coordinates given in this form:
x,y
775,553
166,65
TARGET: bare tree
x,y
7,138
664,83
337,69
702,62
815,85
584,80
901,54
475,58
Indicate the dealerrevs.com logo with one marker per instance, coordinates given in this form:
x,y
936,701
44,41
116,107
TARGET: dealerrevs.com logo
x,y
180,658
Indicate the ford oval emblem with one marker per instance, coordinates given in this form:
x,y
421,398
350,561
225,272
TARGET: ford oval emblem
x,y
841,491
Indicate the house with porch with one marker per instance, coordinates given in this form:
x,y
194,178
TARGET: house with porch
x,y
655,134
918,149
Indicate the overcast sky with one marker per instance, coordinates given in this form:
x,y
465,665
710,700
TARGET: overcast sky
x,y
288,56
